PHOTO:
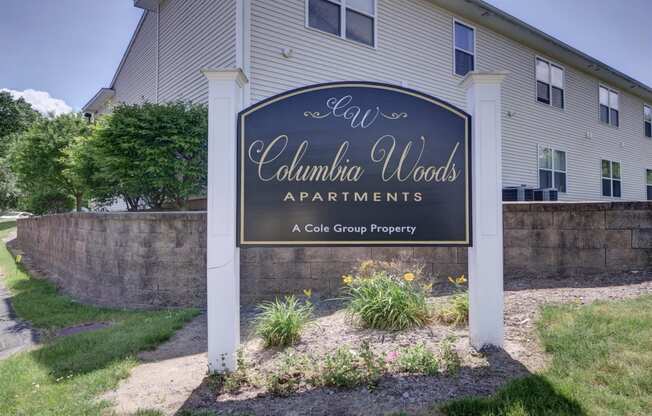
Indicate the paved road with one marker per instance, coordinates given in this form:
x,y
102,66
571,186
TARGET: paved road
x,y
15,336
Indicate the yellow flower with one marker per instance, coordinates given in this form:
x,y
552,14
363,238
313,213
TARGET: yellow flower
x,y
347,279
408,277
461,280
19,258
450,279
307,292
427,287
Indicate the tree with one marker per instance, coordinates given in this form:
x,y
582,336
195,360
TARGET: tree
x,y
152,155
47,165
15,117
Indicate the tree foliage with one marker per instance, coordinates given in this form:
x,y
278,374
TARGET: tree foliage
x,y
152,155
49,164
16,116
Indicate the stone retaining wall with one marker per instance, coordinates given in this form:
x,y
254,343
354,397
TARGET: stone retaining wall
x,y
576,239
148,260
134,260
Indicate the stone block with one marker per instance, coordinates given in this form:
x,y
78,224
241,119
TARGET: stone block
x,y
618,238
392,253
579,220
351,254
250,255
463,255
275,270
313,254
622,219
642,238
527,220
435,255
629,259
276,254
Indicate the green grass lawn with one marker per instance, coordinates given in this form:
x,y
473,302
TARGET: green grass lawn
x,y
66,375
601,365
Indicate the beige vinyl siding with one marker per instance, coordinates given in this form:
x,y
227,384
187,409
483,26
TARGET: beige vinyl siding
x,y
194,34
136,79
414,48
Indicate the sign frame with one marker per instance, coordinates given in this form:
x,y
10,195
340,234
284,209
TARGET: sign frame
x,y
240,154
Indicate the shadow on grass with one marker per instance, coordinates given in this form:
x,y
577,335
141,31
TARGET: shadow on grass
x,y
410,395
90,351
532,395
5,225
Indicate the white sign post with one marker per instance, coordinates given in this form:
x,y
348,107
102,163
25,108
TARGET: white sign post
x,y
222,255
483,100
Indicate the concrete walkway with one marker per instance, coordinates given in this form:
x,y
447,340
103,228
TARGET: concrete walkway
x,y
15,335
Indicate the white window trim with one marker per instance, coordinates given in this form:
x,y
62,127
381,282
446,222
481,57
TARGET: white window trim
x,y
342,35
620,103
553,170
475,46
645,105
550,62
611,169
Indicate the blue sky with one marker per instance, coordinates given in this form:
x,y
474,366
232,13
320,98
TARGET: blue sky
x,y
71,48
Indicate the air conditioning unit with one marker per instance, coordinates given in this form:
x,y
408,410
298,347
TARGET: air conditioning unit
x,y
518,193
546,194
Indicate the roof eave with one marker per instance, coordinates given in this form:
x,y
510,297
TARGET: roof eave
x,y
489,16
98,101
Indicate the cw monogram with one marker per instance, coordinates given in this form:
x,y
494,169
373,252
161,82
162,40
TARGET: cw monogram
x,y
342,108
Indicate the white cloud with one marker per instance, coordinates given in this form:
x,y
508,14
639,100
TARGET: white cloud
x,y
41,101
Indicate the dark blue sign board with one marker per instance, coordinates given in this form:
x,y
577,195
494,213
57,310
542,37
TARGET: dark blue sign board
x,y
354,164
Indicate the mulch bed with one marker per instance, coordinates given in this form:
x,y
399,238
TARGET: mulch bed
x,y
481,374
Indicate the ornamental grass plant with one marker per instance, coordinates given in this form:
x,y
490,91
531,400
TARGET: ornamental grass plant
x,y
456,311
280,322
387,300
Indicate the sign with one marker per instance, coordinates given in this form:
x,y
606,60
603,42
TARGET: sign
x,y
354,163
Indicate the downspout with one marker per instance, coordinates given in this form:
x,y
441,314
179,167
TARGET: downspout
x,y
242,43
158,19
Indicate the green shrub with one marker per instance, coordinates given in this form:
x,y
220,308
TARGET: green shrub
x,y
456,312
280,322
450,359
346,368
231,382
417,359
150,155
387,302
288,376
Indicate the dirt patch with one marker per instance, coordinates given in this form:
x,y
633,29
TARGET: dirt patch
x,y
168,376
77,329
172,377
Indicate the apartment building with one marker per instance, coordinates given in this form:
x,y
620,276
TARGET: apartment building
x,y
569,121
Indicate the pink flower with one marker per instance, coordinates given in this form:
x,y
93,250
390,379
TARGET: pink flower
x,y
391,356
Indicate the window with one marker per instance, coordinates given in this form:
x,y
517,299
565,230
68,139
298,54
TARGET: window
x,y
552,169
648,181
611,179
349,19
463,48
609,106
550,83
647,120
